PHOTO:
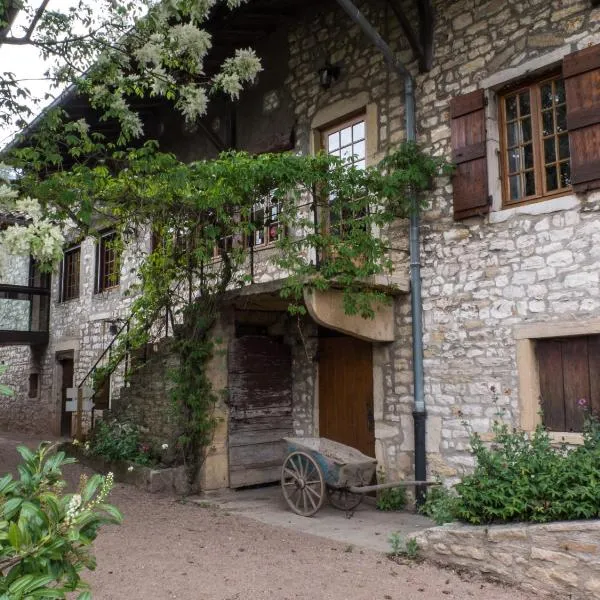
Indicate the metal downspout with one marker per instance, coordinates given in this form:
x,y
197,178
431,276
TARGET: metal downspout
x,y
419,411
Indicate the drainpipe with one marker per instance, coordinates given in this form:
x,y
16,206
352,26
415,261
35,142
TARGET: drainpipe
x,y
419,411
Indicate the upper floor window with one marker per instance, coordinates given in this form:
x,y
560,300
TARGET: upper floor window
x,y
347,141
108,265
265,219
534,141
69,285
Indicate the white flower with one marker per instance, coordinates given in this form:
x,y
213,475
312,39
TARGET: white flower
x,y
73,508
76,442
192,102
130,468
165,446
86,446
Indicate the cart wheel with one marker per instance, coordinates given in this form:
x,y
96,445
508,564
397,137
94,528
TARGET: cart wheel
x,y
302,484
342,499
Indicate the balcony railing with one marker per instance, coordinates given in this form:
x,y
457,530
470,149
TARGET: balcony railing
x,y
24,314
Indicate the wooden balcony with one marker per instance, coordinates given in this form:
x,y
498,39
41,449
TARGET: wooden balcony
x,y
24,315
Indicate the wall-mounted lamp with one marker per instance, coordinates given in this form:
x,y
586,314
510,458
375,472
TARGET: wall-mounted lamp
x,y
328,74
115,325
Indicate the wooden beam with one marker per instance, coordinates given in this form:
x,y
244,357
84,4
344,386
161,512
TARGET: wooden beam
x,y
23,338
409,32
426,26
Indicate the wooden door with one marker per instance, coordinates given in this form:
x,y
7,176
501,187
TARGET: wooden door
x,y
346,392
260,409
66,382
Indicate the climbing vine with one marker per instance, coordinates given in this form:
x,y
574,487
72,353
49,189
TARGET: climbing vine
x,y
202,217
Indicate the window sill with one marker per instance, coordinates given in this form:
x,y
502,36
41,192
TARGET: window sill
x,y
69,301
544,207
106,291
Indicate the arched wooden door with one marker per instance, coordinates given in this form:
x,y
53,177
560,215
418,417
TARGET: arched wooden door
x,y
346,392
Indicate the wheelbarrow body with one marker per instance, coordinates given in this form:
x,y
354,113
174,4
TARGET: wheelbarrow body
x,y
316,468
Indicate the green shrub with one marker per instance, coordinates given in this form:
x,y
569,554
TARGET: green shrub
x,y
524,477
440,505
45,535
390,499
116,440
400,546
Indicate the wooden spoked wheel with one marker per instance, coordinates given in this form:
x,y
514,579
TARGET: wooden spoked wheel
x,y
342,499
302,484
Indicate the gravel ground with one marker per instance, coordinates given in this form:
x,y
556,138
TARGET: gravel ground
x,y
169,549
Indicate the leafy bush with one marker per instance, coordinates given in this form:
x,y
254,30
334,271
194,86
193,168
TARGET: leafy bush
x,y
400,546
4,389
523,477
441,505
390,499
115,440
46,536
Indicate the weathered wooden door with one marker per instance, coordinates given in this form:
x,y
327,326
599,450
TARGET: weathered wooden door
x,y
260,408
66,382
346,392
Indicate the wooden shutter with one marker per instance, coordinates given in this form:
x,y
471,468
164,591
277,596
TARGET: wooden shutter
x,y
470,181
581,71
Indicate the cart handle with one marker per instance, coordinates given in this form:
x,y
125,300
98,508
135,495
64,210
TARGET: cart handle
x,y
365,489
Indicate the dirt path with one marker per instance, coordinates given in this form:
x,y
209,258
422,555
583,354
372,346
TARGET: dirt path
x,y
167,549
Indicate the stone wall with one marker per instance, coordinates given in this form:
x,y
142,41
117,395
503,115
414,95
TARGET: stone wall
x,y
561,558
145,400
484,276
80,329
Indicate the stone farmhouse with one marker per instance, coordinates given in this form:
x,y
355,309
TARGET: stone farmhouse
x,y
504,314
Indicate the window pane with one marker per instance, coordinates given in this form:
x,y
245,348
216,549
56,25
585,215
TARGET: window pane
x,y
559,86
549,150
551,178
526,129
524,104
360,164
359,149
547,95
561,118
346,136
528,152
514,160
563,146
333,142
358,131
565,174
530,183
346,153
511,108
547,123
515,187
513,134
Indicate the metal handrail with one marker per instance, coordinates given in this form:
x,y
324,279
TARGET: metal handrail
x,y
106,350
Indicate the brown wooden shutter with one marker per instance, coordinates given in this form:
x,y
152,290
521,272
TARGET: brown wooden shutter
x,y
581,71
470,180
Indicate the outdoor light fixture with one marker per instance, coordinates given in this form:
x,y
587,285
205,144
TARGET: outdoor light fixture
x,y
113,327
328,74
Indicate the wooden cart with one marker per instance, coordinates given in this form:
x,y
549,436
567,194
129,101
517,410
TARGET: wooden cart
x,y
317,468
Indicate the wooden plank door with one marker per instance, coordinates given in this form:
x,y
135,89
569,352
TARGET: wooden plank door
x,y
346,392
66,382
260,409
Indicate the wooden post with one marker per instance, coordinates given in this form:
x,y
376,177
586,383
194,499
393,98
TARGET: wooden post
x,y
79,414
